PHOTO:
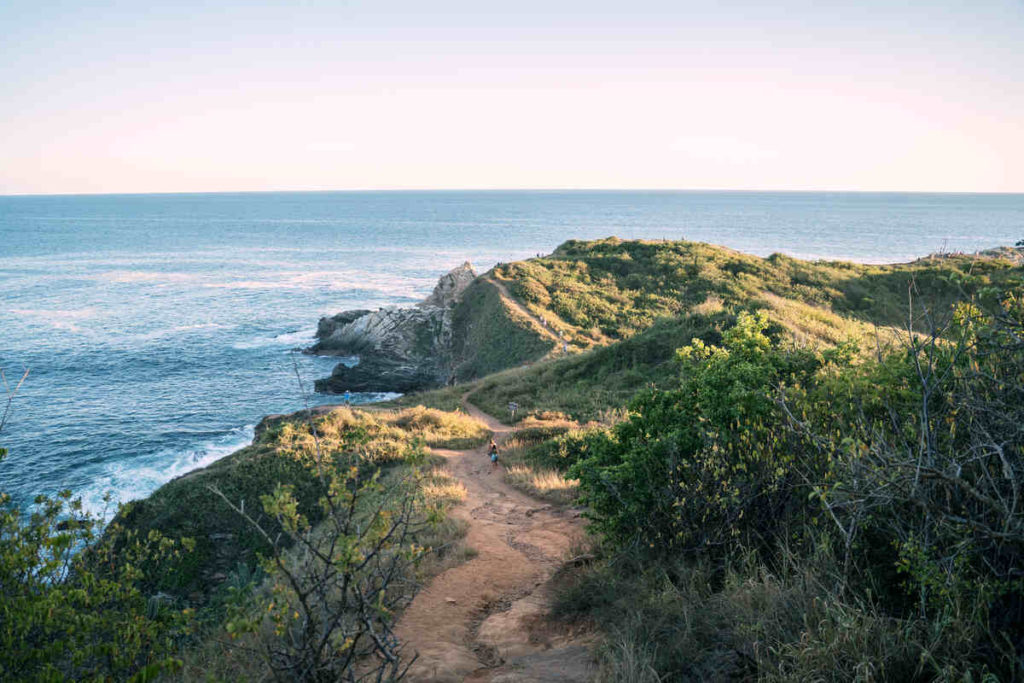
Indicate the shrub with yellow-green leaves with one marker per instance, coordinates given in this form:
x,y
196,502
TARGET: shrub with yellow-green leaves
x,y
72,605
887,488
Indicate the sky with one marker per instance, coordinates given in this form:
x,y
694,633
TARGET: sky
x,y
404,94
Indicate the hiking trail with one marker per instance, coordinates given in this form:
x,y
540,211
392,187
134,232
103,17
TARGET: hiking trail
x,y
486,619
538,324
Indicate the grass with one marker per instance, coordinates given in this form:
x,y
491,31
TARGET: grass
x,y
488,336
608,290
586,385
448,399
440,429
442,487
535,457
626,306
284,451
685,621
548,485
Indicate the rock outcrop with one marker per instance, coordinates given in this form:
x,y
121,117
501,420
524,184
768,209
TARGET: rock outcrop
x,y
399,349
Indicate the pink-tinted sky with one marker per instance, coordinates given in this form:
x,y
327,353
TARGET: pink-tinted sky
x,y
793,94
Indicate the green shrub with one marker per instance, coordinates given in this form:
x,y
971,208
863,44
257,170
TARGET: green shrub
x,y
72,605
902,470
705,465
564,450
928,457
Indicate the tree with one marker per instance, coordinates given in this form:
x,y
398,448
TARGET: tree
x,y
327,610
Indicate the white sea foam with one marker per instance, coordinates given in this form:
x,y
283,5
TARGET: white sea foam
x,y
177,329
288,340
298,337
135,479
156,277
58,319
67,314
380,284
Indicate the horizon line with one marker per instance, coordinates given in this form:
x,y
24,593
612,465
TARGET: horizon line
x,y
507,189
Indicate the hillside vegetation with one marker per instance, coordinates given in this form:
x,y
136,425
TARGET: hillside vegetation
x,y
487,336
284,451
624,307
817,473
792,471
609,290
782,513
239,570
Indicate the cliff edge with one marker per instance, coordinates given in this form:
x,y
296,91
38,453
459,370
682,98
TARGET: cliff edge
x,y
465,329
399,349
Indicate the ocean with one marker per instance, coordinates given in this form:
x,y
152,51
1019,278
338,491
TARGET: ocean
x,y
159,329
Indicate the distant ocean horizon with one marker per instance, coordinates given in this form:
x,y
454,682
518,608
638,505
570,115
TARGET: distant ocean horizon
x,y
525,190
159,328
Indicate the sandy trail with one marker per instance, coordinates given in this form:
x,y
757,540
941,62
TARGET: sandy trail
x,y
484,620
538,324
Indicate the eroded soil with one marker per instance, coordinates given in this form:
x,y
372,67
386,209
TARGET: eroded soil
x,y
485,620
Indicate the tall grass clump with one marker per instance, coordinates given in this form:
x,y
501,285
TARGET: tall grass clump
x,y
538,455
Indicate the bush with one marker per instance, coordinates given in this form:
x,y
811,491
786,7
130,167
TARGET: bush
x,y
71,604
704,466
328,608
927,447
903,471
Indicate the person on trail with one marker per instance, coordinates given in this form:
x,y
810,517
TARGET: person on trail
x,y
348,397
492,452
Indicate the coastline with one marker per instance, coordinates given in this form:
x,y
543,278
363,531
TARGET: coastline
x,y
146,478
486,280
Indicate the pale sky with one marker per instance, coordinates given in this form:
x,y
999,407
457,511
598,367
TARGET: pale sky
x,y
391,94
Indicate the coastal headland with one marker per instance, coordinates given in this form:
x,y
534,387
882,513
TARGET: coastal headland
x,y
585,342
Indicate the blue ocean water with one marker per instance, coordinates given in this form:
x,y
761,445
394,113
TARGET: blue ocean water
x,y
158,329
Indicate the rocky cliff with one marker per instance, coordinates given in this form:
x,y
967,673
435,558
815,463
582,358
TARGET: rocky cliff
x,y
399,349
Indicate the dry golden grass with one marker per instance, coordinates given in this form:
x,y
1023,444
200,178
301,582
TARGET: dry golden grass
x,y
545,484
712,304
441,429
441,487
388,434
547,419
813,325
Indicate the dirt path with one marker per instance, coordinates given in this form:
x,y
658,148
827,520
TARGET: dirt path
x,y
522,310
484,620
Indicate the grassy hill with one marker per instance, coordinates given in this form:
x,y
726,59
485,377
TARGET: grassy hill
x,y
624,307
489,336
608,290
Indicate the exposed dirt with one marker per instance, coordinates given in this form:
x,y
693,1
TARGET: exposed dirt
x,y
536,322
485,620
